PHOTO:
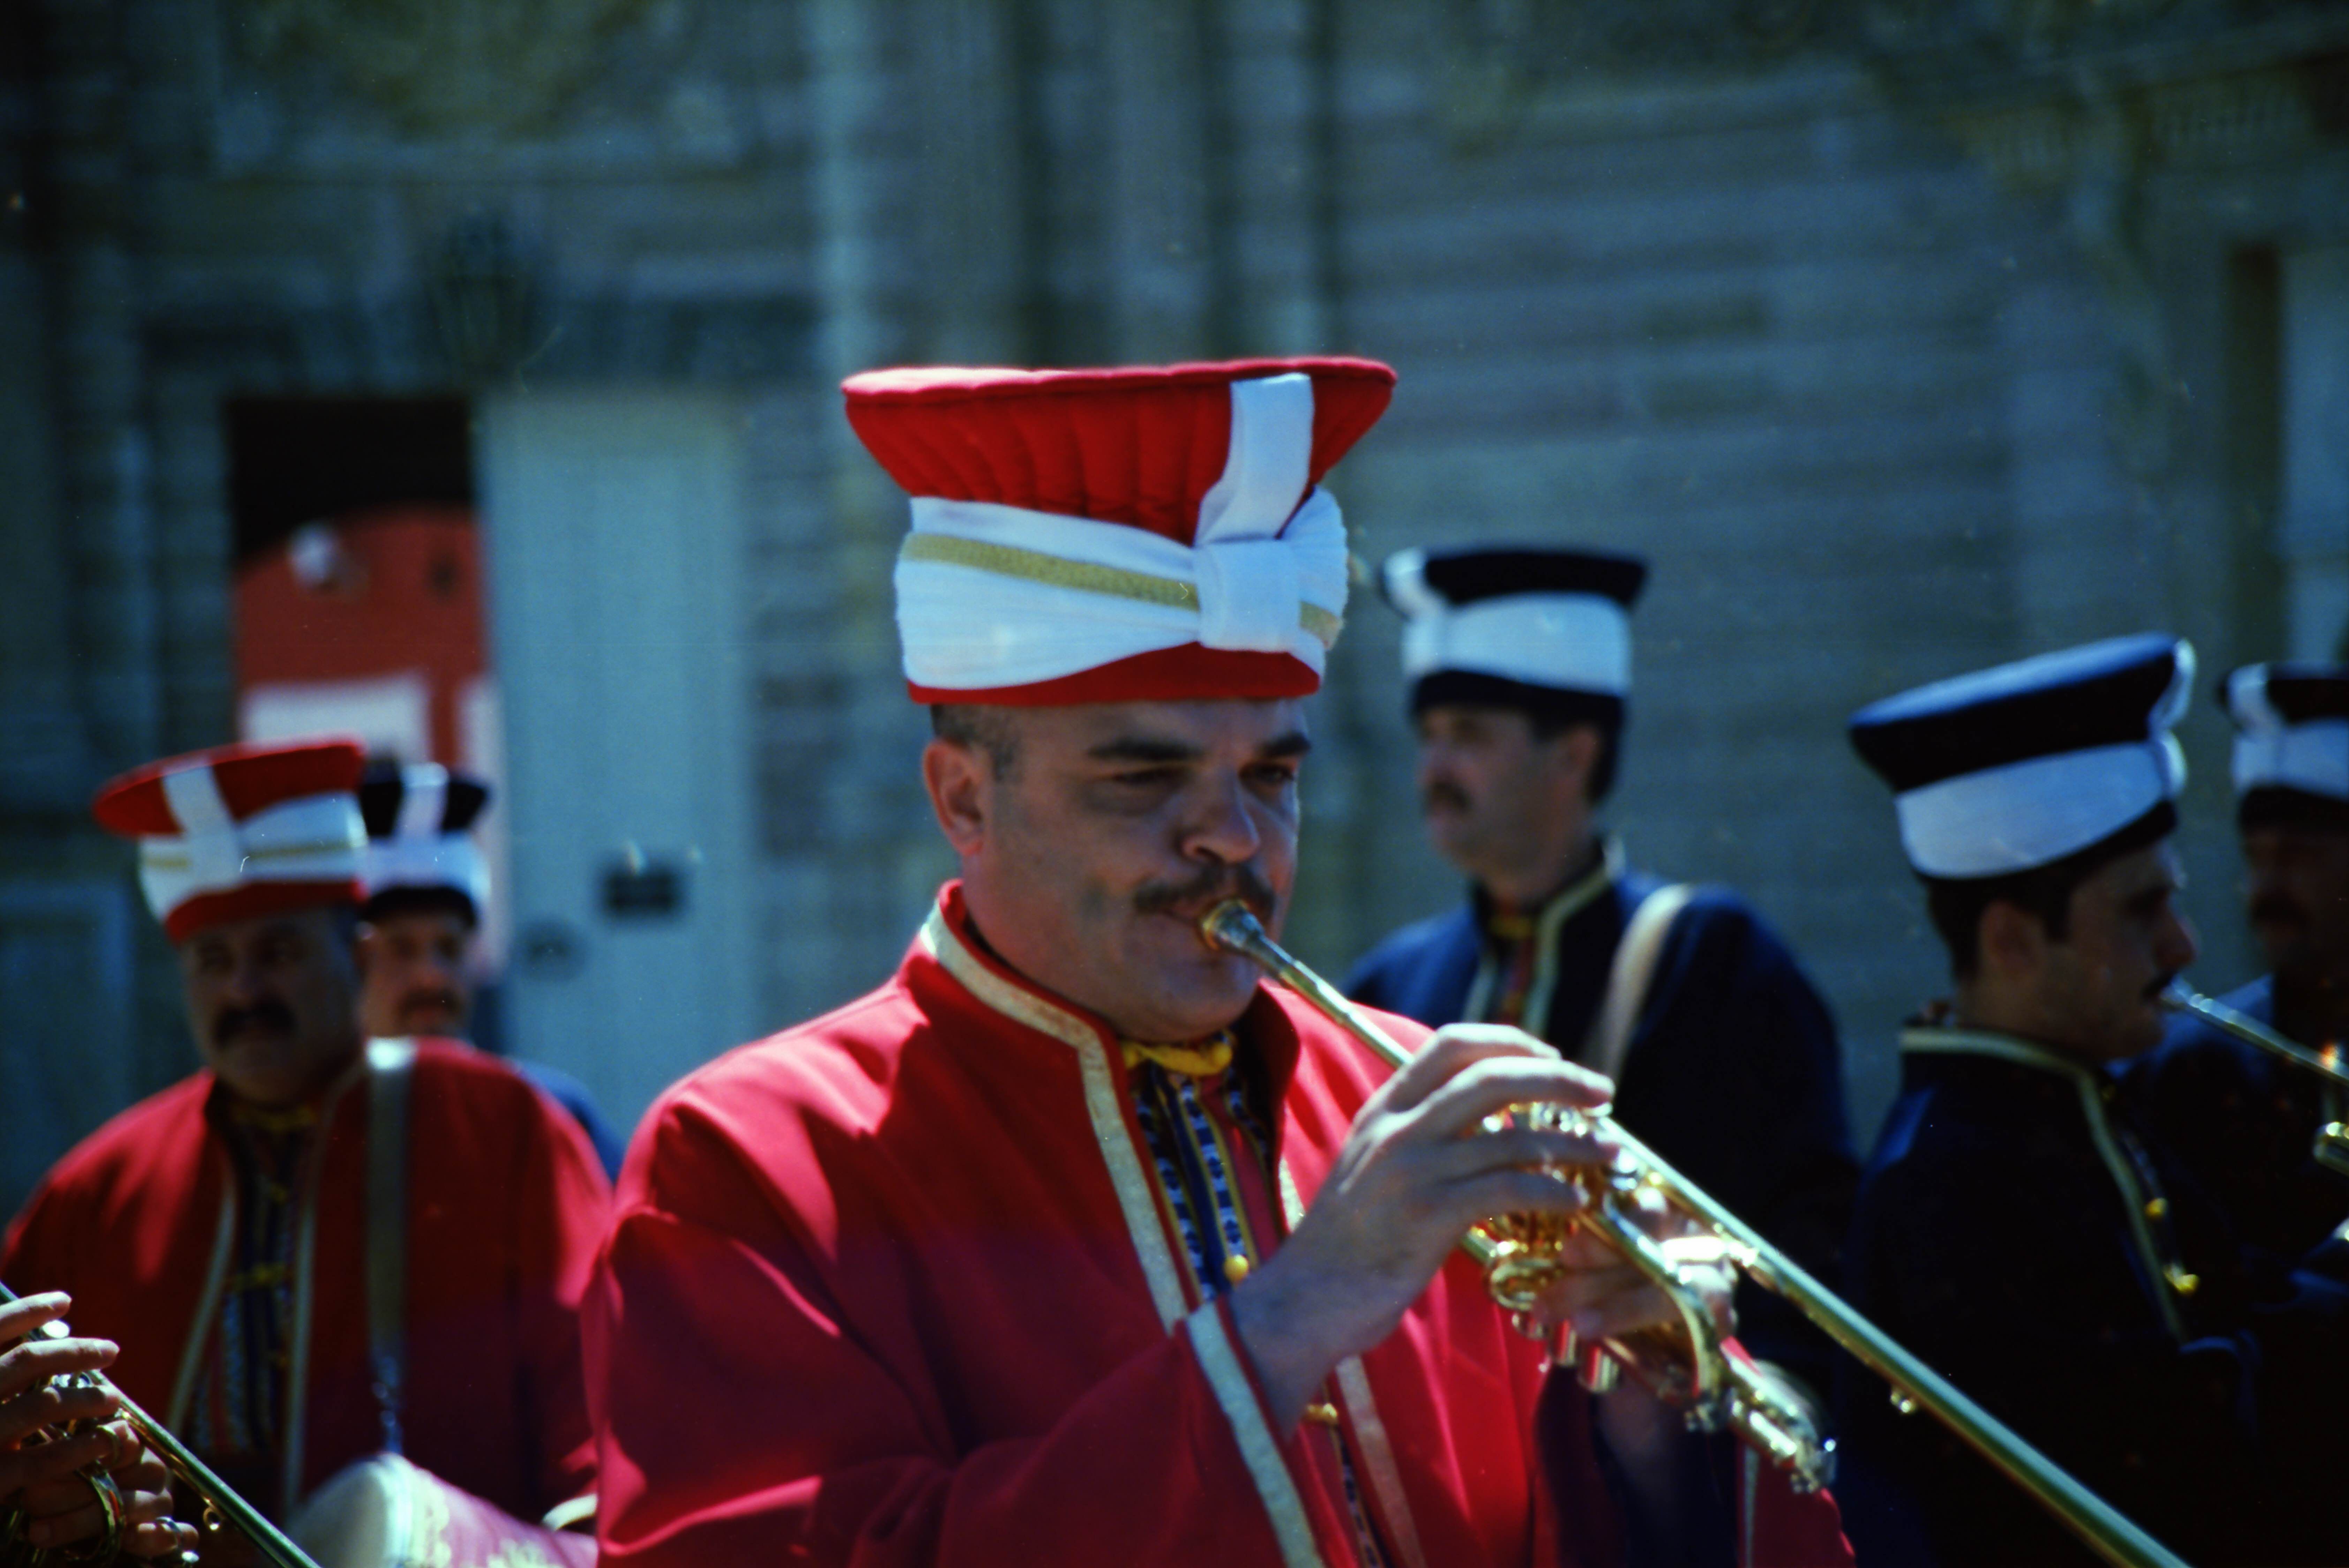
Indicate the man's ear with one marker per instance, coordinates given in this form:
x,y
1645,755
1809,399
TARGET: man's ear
x,y
2011,939
1581,744
1573,754
959,779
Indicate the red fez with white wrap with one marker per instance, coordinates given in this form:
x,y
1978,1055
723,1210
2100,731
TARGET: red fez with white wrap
x,y
244,830
1132,534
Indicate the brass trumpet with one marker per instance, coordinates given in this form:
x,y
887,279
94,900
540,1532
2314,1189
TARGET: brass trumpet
x,y
222,1506
2332,1151
1692,1369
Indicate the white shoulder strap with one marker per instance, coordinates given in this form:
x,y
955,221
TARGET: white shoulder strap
x,y
1627,980
392,1064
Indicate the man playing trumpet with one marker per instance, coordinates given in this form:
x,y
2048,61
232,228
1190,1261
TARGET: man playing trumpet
x,y
2244,1121
1074,1241
2017,1226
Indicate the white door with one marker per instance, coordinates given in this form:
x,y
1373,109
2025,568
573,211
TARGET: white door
x,y
615,541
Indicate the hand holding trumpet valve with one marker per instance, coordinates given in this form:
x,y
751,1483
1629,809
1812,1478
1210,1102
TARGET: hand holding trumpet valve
x,y
1482,1121
77,1484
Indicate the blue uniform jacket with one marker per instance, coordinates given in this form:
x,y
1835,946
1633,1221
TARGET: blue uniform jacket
x,y
1733,1075
2019,1232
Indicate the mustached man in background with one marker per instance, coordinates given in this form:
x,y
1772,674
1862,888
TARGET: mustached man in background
x,y
428,887
318,1250
1724,1056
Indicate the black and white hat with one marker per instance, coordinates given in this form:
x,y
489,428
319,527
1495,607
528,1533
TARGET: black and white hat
x,y
2009,769
1516,626
419,821
2292,736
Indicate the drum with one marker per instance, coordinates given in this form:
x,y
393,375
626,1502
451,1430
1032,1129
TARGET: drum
x,y
385,1512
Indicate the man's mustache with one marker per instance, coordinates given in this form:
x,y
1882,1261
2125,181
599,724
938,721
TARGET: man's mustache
x,y
1446,793
436,996
1212,886
267,1014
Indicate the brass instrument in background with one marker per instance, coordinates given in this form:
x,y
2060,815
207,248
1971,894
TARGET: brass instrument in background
x,y
222,1507
2332,1151
1690,1368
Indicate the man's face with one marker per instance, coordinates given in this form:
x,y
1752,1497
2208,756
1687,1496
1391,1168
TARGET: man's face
x,y
1087,864
1493,792
271,1001
2096,988
415,979
2296,894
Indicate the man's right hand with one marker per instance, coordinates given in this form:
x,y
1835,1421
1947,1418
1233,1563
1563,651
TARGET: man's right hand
x,y
41,1472
1417,1169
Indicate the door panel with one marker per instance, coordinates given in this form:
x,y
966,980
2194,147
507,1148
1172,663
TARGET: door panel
x,y
614,537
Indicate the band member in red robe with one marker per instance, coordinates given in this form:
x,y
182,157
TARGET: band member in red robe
x,y
1074,1241
319,1248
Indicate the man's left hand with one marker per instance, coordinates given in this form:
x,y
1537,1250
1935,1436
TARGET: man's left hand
x,y
1604,1296
65,1511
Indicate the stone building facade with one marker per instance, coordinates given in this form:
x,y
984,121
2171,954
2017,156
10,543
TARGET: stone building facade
x,y
1903,338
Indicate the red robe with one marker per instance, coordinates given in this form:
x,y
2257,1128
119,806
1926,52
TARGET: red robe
x,y
895,1287
506,1205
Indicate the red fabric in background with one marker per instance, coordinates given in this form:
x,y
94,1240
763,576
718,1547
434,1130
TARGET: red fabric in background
x,y
506,1205
413,601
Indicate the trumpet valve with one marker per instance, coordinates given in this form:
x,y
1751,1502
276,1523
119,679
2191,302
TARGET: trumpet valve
x,y
2332,1148
1525,1261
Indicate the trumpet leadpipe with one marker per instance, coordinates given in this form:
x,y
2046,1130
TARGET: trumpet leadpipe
x,y
2332,1145
2179,997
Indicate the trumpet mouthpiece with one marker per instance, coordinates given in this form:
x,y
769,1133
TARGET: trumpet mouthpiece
x,y
1229,926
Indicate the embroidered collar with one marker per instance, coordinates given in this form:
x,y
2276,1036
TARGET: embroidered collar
x,y
1951,1040
229,1113
296,1118
1498,953
948,938
2141,1197
1513,925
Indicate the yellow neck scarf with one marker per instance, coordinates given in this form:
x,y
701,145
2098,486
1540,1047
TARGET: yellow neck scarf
x,y
1199,1059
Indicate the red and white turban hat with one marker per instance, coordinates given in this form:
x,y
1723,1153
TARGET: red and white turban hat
x,y
1132,534
244,830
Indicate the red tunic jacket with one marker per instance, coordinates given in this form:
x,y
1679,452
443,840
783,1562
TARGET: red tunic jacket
x,y
895,1287
506,1204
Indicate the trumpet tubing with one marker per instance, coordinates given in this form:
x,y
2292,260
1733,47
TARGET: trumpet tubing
x,y
2179,997
1713,1387
2332,1146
